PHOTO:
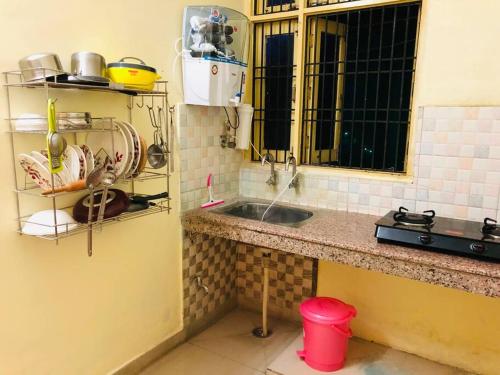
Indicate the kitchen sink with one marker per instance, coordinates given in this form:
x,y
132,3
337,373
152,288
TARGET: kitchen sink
x,y
277,214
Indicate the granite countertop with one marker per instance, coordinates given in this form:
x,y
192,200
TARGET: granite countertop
x,y
348,238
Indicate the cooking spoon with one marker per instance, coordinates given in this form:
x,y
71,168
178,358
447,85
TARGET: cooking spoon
x,y
93,180
57,144
108,179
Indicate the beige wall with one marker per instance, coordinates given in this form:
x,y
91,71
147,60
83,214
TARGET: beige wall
x,y
62,312
458,53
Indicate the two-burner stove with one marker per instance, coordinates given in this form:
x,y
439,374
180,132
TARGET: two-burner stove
x,y
431,232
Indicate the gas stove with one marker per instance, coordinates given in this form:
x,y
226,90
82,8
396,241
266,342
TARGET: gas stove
x,y
430,232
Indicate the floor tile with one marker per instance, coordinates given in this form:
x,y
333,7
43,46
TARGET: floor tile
x,y
190,359
363,358
231,338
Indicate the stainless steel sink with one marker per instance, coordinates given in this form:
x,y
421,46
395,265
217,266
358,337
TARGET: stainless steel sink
x,y
277,214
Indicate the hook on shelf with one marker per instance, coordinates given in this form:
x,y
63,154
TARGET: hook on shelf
x,y
142,102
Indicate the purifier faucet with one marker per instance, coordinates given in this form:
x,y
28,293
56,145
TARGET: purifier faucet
x,y
270,159
292,160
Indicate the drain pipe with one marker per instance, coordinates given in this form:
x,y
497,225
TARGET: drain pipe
x,y
264,331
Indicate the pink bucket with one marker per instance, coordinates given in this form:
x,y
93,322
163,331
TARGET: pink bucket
x,y
326,332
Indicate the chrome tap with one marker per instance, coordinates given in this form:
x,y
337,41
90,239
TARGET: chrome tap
x,y
270,159
292,160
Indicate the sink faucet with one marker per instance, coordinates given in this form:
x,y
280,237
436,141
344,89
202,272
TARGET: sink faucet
x,y
292,160
270,159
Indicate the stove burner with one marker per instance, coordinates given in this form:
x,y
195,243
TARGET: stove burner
x,y
491,228
420,220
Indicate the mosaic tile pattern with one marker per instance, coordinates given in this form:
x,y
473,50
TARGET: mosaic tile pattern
x,y
214,260
292,278
199,129
234,271
456,172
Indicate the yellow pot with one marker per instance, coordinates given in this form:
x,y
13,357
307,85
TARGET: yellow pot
x,y
133,75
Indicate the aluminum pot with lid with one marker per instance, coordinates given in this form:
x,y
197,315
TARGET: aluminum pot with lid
x,y
88,66
40,66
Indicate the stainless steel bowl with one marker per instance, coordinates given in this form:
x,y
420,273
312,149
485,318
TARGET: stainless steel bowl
x,y
40,66
88,66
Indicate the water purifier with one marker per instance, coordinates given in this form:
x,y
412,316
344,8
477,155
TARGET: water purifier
x,y
214,56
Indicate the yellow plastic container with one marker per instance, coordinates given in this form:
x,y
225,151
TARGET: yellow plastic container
x,y
133,75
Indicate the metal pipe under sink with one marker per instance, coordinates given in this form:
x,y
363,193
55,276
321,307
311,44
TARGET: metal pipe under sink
x,y
264,331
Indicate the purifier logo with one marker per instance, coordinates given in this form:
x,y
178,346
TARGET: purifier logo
x,y
215,69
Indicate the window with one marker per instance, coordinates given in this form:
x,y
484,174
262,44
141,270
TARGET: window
x,y
355,102
272,6
273,87
358,85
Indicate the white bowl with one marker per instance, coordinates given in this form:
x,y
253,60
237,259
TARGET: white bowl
x,y
42,223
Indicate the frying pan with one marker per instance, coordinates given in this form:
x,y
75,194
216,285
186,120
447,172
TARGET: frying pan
x,y
142,202
117,202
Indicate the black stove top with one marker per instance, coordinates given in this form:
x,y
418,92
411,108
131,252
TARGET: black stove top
x,y
431,232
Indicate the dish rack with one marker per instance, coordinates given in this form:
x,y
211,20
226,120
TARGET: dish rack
x,y
13,81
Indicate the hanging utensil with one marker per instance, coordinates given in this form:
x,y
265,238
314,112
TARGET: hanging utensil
x,y
171,111
156,154
56,143
93,180
108,179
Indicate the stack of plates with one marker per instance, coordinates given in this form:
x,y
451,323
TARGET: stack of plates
x,y
78,161
125,149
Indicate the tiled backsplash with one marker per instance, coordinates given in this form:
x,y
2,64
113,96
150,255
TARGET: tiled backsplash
x,y
199,129
456,172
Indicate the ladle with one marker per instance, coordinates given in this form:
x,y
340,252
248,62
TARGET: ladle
x,y
93,180
108,179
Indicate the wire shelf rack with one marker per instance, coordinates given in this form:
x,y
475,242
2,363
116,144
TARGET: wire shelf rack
x,y
67,230
52,86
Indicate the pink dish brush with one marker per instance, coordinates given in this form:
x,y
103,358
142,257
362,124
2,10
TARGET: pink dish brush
x,y
211,201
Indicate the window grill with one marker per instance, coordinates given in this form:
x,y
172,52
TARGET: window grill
x,y
317,3
358,81
273,87
273,6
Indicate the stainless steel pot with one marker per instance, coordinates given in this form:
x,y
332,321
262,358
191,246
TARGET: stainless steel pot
x,y
40,66
88,66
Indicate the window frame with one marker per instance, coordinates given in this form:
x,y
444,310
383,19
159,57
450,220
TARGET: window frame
x,y
301,14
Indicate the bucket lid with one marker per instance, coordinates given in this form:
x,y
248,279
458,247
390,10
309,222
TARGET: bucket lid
x,y
327,310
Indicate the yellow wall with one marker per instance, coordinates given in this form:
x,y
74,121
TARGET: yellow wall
x,y
443,324
457,64
62,312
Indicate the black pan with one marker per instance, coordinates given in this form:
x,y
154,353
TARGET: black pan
x,y
142,202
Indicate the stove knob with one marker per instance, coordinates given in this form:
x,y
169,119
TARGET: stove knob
x,y
425,239
477,248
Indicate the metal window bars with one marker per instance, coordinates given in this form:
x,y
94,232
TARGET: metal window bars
x,y
261,7
317,3
273,94
358,81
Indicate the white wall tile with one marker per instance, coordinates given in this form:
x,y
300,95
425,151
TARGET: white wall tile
x,y
457,172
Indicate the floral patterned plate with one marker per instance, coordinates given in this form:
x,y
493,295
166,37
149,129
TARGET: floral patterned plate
x,y
89,159
36,171
102,145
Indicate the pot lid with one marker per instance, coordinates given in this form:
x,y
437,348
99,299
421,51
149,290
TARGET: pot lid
x,y
123,64
327,310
